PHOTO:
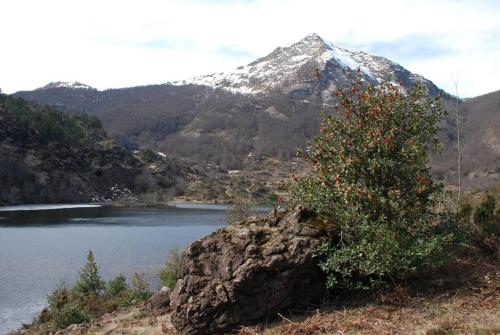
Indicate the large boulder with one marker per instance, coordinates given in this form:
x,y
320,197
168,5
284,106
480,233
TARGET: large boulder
x,y
249,271
160,299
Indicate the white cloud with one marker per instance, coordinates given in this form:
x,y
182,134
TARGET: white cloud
x,y
118,43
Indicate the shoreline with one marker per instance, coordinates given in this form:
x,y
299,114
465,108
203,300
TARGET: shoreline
x,y
124,241
115,204
40,207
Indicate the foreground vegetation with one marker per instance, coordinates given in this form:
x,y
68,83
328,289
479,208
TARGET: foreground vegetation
x,y
171,270
463,299
91,297
371,179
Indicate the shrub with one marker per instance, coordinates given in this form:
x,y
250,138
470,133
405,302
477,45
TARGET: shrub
x,y
484,216
148,155
475,229
59,298
273,200
487,226
116,286
69,314
170,272
371,178
140,287
91,297
457,223
239,211
90,282
119,294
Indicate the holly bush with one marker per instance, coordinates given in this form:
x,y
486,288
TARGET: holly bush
x,y
371,178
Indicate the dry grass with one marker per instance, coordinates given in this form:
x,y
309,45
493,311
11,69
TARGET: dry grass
x,y
465,299
129,321
251,330
471,308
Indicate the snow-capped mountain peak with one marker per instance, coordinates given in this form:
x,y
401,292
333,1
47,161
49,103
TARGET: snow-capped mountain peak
x,y
67,84
296,68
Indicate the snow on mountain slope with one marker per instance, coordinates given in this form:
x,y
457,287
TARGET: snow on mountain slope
x,y
294,67
67,84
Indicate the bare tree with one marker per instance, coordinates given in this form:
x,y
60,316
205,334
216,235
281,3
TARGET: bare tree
x,y
239,211
458,119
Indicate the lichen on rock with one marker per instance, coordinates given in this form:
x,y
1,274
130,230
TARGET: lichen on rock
x,y
249,271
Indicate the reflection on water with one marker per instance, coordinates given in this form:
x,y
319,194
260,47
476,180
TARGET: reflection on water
x,y
45,207
178,215
42,249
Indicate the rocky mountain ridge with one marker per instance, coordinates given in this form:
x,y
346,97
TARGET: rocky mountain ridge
x,y
294,70
67,84
269,108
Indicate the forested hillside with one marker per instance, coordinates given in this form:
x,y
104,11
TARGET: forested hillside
x,y
51,156
271,107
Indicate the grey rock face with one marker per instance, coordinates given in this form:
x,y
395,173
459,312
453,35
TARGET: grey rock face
x,y
160,299
249,271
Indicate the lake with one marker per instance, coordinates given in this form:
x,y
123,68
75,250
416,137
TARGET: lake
x,y
42,247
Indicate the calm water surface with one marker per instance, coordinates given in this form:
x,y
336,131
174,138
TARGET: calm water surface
x,y
42,248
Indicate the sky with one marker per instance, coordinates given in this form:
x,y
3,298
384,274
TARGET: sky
x,y
123,43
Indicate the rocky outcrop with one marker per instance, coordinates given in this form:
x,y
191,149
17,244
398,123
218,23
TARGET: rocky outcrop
x,y
160,299
249,271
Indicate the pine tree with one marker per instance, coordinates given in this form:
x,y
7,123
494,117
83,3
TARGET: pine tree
x,y
90,282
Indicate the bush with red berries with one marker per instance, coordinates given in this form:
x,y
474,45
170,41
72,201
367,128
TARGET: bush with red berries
x,y
372,179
